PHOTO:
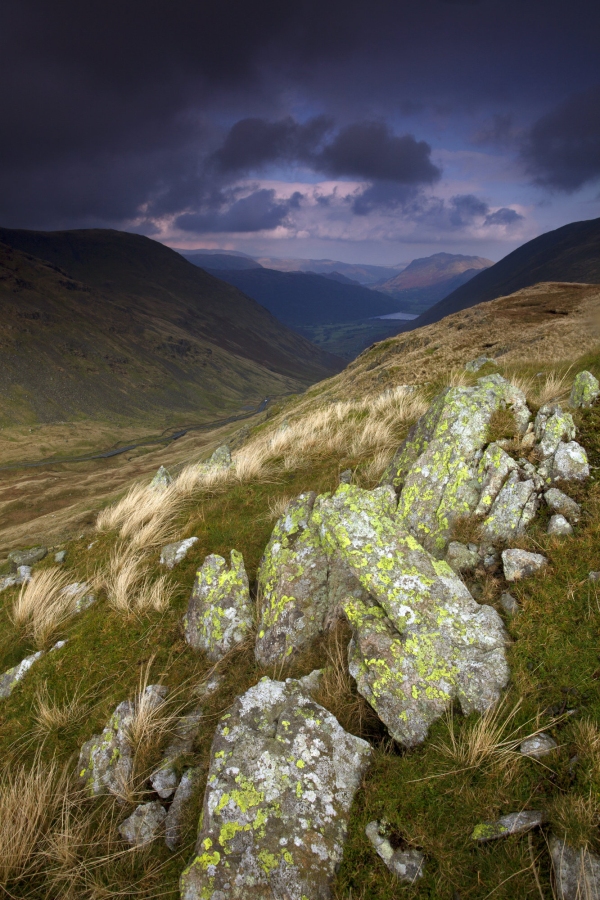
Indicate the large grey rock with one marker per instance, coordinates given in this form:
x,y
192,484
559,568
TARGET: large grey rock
x,y
106,760
576,872
407,865
282,777
495,467
173,554
570,463
162,480
558,525
178,811
519,564
437,466
144,824
562,504
538,746
166,778
513,823
513,510
26,557
219,614
301,584
12,677
585,390
22,575
220,459
420,641
552,426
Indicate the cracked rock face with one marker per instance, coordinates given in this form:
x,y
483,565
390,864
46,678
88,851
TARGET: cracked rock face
x,y
562,504
437,466
585,391
166,778
301,584
420,639
219,614
173,554
10,678
144,824
282,777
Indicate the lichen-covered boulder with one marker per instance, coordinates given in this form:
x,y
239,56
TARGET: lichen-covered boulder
x,y
10,678
576,871
173,554
219,614
461,558
513,823
421,640
561,503
106,760
82,595
552,426
166,778
282,777
26,557
519,564
570,463
144,824
301,584
220,459
178,810
162,480
474,365
437,466
495,467
585,391
292,584
559,526
406,865
512,511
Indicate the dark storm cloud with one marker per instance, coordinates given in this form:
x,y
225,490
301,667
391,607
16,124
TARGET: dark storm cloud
x,y
371,150
503,216
464,208
256,212
253,142
112,108
562,149
383,195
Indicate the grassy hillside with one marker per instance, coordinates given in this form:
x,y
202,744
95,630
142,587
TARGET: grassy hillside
x,y
432,797
568,254
102,324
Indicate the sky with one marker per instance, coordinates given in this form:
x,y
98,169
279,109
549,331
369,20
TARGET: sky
x,y
371,132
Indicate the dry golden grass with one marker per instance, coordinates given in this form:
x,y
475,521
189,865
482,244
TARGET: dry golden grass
x,y
128,587
576,819
42,607
50,715
278,506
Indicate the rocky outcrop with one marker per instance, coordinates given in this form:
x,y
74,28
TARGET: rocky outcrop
x,y
282,777
538,746
562,457
219,614
420,640
176,816
519,564
10,678
559,526
106,760
166,778
562,504
144,824
173,554
29,557
162,480
436,470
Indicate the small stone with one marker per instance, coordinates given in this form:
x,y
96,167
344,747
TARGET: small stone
x,y
162,480
513,823
460,558
563,504
538,746
60,556
407,865
519,564
143,824
558,525
570,463
509,604
585,390
11,678
23,574
84,597
26,557
594,577
221,458
174,553
7,581
346,477
188,786
475,365
576,872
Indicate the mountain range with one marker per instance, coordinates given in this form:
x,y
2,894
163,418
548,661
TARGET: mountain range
x,y
98,323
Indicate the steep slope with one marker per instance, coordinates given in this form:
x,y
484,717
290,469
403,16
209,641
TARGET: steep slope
x,y
101,323
361,272
432,270
219,260
302,298
568,254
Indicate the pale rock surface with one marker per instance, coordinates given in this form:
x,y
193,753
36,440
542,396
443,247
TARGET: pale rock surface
x,y
174,553
474,365
570,463
519,564
26,557
106,760
178,810
166,778
460,558
509,604
82,595
407,865
219,614
60,556
144,824
282,777
563,504
11,677
538,746
513,510
513,823
558,525
495,467
576,872
162,480
420,640
585,390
